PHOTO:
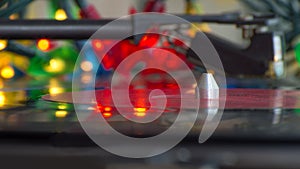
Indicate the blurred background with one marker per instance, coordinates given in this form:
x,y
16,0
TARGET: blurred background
x,y
41,9
115,9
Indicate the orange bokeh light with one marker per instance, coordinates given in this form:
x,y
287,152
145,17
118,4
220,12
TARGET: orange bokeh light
x,y
107,114
107,108
98,44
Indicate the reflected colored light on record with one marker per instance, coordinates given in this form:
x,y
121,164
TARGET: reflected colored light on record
x,y
91,108
107,108
98,44
2,99
12,119
191,91
86,66
86,78
194,85
7,72
60,15
43,44
108,62
140,111
140,114
3,44
107,114
61,114
55,90
172,64
62,107
55,66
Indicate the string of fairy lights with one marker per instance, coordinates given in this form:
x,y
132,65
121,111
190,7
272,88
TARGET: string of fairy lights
x,y
46,57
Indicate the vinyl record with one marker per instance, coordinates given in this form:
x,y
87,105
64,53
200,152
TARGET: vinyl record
x,y
235,98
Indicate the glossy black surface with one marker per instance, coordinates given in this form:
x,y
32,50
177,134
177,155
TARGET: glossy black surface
x,y
23,111
42,134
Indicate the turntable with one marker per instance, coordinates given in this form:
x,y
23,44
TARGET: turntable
x,y
41,114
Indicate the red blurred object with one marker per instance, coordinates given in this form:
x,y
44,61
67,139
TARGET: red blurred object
x,y
90,12
132,10
149,40
161,8
125,48
154,6
106,111
178,42
149,5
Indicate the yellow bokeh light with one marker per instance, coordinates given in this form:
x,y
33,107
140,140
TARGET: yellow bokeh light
x,y
7,72
43,44
2,99
3,44
60,15
55,87
86,66
55,90
55,66
61,114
